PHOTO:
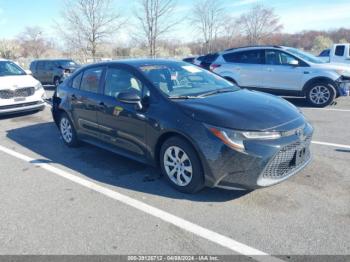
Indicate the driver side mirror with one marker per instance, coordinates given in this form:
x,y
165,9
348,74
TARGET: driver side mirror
x,y
28,72
294,62
130,97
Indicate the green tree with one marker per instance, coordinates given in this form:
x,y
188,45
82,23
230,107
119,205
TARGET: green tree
x,y
321,42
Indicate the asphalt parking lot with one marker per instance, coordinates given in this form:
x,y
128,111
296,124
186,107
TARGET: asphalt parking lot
x,y
56,200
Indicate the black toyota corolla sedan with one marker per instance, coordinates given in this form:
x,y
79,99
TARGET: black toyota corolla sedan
x,y
200,129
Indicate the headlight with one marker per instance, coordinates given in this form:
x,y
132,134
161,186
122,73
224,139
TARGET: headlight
x,y
235,139
38,86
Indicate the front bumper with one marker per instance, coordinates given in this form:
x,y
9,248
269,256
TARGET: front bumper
x,y
343,86
265,163
31,103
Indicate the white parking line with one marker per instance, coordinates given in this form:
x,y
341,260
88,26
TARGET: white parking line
x,y
163,215
330,144
326,109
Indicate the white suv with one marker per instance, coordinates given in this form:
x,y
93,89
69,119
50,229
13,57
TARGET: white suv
x,y
284,71
18,90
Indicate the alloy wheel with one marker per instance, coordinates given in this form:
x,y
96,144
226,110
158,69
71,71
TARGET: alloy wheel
x,y
66,130
178,166
320,95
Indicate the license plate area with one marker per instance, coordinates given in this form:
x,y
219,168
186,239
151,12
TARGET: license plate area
x,y
299,157
20,99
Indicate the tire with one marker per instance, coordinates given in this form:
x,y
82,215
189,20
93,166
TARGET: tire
x,y
56,81
185,174
321,94
67,130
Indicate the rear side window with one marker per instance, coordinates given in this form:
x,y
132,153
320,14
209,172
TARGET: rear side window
x,y
245,57
339,50
325,53
91,80
49,65
41,65
77,81
32,66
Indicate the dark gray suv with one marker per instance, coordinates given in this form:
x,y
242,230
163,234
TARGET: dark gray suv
x,y
54,71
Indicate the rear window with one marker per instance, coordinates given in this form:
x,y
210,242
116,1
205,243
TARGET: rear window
x,y
245,57
339,50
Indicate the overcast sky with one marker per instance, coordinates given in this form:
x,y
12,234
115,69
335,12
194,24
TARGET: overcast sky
x,y
295,15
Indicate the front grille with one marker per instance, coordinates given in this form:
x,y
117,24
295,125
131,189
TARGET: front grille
x,y
282,164
20,92
20,105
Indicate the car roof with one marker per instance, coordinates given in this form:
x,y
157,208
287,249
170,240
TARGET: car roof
x,y
51,60
3,59
139,62
254,47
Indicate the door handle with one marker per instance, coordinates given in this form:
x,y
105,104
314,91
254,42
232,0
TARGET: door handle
x,y
102,106
270,69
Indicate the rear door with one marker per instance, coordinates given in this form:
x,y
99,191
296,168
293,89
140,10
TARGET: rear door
x,y
40,72
84,99
49,71
246,66
121,124
279,74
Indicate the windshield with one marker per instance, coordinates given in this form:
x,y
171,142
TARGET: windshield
x,y
182,79
305,56
8,68
67,63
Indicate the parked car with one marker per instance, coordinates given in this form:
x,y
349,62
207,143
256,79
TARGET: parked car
x,y
53,71
283,71
189,59
18,90
324,55
198,127
339,53
205,61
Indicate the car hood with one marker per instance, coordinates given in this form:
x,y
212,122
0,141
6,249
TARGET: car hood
x,y
244,110
7,82
333,66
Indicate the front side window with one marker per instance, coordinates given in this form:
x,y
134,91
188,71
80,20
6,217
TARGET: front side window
x,y
121,80
66,63
245,57
339,50
8,68
275,57
91,79
77,81
182,79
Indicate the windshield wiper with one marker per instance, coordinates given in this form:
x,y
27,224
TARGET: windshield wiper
x,y
218,91
182,97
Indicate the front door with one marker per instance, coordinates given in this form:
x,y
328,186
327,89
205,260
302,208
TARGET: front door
x,y
121,124
279,74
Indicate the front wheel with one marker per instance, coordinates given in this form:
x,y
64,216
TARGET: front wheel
x,y
321,94
181,166
68,132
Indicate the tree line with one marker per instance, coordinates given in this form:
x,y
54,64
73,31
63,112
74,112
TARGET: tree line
x,y
87,29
